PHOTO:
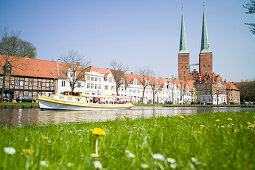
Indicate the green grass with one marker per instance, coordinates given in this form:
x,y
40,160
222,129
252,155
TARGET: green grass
x,y
217,146
19,104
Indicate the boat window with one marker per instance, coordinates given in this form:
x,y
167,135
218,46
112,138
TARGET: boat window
x,y
69,98
61,97
77,99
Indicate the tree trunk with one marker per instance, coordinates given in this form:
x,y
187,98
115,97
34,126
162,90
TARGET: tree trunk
x,y
3,86
143,94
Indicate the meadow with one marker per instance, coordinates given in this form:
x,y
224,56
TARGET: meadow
x,y
205,141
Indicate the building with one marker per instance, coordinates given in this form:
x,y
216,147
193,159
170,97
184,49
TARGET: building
x,y
233,94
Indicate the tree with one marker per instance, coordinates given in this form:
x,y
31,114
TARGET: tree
x,y
11,45
118,71
156,86
144,78
251,10
74,68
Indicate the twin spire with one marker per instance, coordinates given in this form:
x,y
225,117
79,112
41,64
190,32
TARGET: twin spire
x,y
204,40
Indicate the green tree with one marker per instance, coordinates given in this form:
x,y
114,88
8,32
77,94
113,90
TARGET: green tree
x,y
12,45
251,10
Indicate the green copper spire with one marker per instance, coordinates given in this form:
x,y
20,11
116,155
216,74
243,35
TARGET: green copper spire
x,y
204,40
183,43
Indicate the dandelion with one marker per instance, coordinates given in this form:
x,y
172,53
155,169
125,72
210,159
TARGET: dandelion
x,y
176,114
171,160
125,115
182,117
144,166
229,119
173,166
110,127
158,156
217,120
122,118
155,125
237,130
94,155
98,131
45,138
197,132
44,163
70,164
98,165
28,151
194,160
9,150
251,126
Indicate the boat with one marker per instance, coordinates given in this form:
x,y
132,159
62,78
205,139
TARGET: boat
x,y
76,101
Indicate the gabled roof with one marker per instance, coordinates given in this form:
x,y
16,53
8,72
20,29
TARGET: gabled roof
x,y
230,86
24,66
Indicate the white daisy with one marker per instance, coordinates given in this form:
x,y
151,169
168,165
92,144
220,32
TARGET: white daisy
x,y
173,165
9,150
44,163
130,155
171,160
194,160
97,164
144,166
158,156
94,155
70,164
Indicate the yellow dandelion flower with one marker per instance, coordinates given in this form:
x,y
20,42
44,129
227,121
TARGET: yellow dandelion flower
x,y
217,120
237,130
45,138
182,117
28,151
122,118
251,126
98,131
229,119
110,127
176,114
197,132
125,115
155,125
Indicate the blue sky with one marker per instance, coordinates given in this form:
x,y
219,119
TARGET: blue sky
x,y
138,33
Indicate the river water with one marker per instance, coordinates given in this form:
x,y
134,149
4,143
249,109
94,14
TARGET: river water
x,y
21,117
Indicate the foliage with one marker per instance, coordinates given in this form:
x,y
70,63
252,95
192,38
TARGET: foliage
x,y
251,10
187,142
247,91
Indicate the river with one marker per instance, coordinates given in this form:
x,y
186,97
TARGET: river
x,y
21,117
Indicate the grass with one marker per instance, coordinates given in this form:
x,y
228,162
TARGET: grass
x,y
19,104
215,145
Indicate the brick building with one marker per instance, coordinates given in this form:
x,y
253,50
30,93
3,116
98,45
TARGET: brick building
x,y
233,94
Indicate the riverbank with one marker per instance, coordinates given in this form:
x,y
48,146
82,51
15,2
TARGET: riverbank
x,y
13,105
205,141
194,105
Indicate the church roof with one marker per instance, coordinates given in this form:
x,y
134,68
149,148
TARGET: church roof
x,y
204,40
183,43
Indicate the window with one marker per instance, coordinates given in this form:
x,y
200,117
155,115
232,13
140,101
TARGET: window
x,y
39,84
63,83
99,79
112,88
21,83
99,86
95,78
21,93
92,86
16,82
88,85
79,84
1,82
88,78
110,79
92,78
95,86
106,87
47,84
30,83
30,94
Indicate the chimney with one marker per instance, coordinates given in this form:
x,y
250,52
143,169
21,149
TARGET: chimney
x,y
59,60
131,73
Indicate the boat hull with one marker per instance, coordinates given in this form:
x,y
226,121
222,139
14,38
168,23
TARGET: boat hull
x,y
47,103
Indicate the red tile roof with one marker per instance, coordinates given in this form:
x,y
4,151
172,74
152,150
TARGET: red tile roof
x,y
230,86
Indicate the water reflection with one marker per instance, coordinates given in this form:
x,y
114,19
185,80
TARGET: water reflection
x,y
20,117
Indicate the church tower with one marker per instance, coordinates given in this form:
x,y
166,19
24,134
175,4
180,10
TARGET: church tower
x,y
205,56
183,55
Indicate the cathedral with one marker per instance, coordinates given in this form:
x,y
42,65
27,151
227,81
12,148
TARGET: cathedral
x,y
205,56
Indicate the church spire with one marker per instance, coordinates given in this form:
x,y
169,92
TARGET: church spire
x,y
204,40
183,43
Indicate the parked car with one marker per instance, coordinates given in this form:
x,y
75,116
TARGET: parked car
x,y
5,99
25,99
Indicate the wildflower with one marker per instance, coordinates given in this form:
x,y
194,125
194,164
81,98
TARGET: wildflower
x,y
94,155
173,165
122,118
237,130
71,131
176,114
127,151
9,150
158,156
229,119
194,160
144,166
197,132
125,115
222,126
61,138
98,131
45,138
70,164
217,120
130,155
182,117
49,141
251,126
202,126
28,151
98,165
110,127
155,125
44,163
171,160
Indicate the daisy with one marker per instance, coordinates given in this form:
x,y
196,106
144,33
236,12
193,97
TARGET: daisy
x,y
158,156
173,165
144,166
98,165
194,160
171,160
9,150
130,155
69,164
94,155
44,163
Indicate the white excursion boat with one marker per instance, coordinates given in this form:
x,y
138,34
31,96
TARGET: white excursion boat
x,y
82,102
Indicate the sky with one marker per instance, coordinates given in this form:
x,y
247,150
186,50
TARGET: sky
x,y
137,33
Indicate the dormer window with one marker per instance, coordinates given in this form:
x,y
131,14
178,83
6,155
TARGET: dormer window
x,y
8,68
